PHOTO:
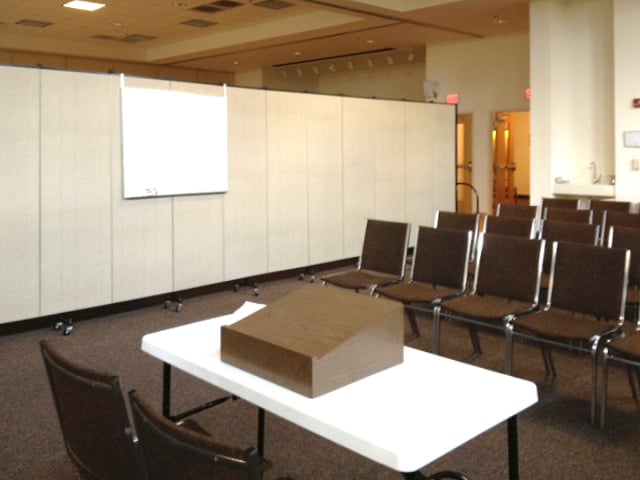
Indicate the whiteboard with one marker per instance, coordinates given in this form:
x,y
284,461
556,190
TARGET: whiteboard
x,y
173,142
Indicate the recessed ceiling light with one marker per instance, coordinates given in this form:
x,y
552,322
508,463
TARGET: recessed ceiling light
x,y
82,5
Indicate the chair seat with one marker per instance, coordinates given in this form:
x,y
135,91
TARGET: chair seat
x,y
417,292
357,279
485,307
564,325
628,347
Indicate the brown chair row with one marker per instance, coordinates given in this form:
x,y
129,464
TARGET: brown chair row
x,y
100,439
587,289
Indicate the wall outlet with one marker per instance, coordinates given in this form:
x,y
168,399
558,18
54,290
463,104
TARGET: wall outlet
x,y
635,164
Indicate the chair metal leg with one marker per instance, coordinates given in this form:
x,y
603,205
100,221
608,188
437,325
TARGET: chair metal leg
x,y
605,386
508,348
595,354
436,330
411,314
632,373
475,340
547,357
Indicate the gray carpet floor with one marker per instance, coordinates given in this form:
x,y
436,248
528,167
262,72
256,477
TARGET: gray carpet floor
x,y
555,436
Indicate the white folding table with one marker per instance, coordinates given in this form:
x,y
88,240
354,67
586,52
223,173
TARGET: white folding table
x,y
383,417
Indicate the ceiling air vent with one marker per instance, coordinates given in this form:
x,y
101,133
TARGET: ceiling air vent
x,y
274,4
137,38
207,8
33,23
226,4
195,22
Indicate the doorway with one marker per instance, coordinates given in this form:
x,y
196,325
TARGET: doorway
x,y
466,194
511,158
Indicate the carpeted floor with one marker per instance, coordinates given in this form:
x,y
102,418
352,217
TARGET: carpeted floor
x,y
555,436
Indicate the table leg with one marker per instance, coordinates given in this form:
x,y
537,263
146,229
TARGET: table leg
x,y
166,390
261,431
512,439
166,398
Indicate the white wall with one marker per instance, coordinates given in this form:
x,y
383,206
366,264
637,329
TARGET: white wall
x,y
572,85
627,73
490,75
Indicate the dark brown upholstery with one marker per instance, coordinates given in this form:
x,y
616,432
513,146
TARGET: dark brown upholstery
x,y
520,211
629,238
552,230
439,270
568,215
560,202
516,226
620,219
93,418
506,282
174,453
460,221
600,206
383,258
585,305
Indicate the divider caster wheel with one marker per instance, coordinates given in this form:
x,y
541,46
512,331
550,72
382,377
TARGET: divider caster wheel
x,y
167,304
64,325
68,329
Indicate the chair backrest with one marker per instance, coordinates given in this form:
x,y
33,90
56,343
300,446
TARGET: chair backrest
x,y
568,215
521,211
612,218
567,232
509,267
385,247
93,418
560,202
460,221
519,227
441,257
629,238
589,279
171,452
600,206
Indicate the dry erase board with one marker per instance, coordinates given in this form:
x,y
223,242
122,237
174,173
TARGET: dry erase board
x,y
173,142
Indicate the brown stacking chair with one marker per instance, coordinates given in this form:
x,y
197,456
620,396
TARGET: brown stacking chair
x,y
585,306
439,271
520,211
553,231
506,283
626,348
612,218
93,418
170,452
560,202
460,221
568,215
600,206
514,226
629,238
383,259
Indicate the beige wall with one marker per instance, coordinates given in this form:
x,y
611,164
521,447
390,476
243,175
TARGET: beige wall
x,y
627,72
490,75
